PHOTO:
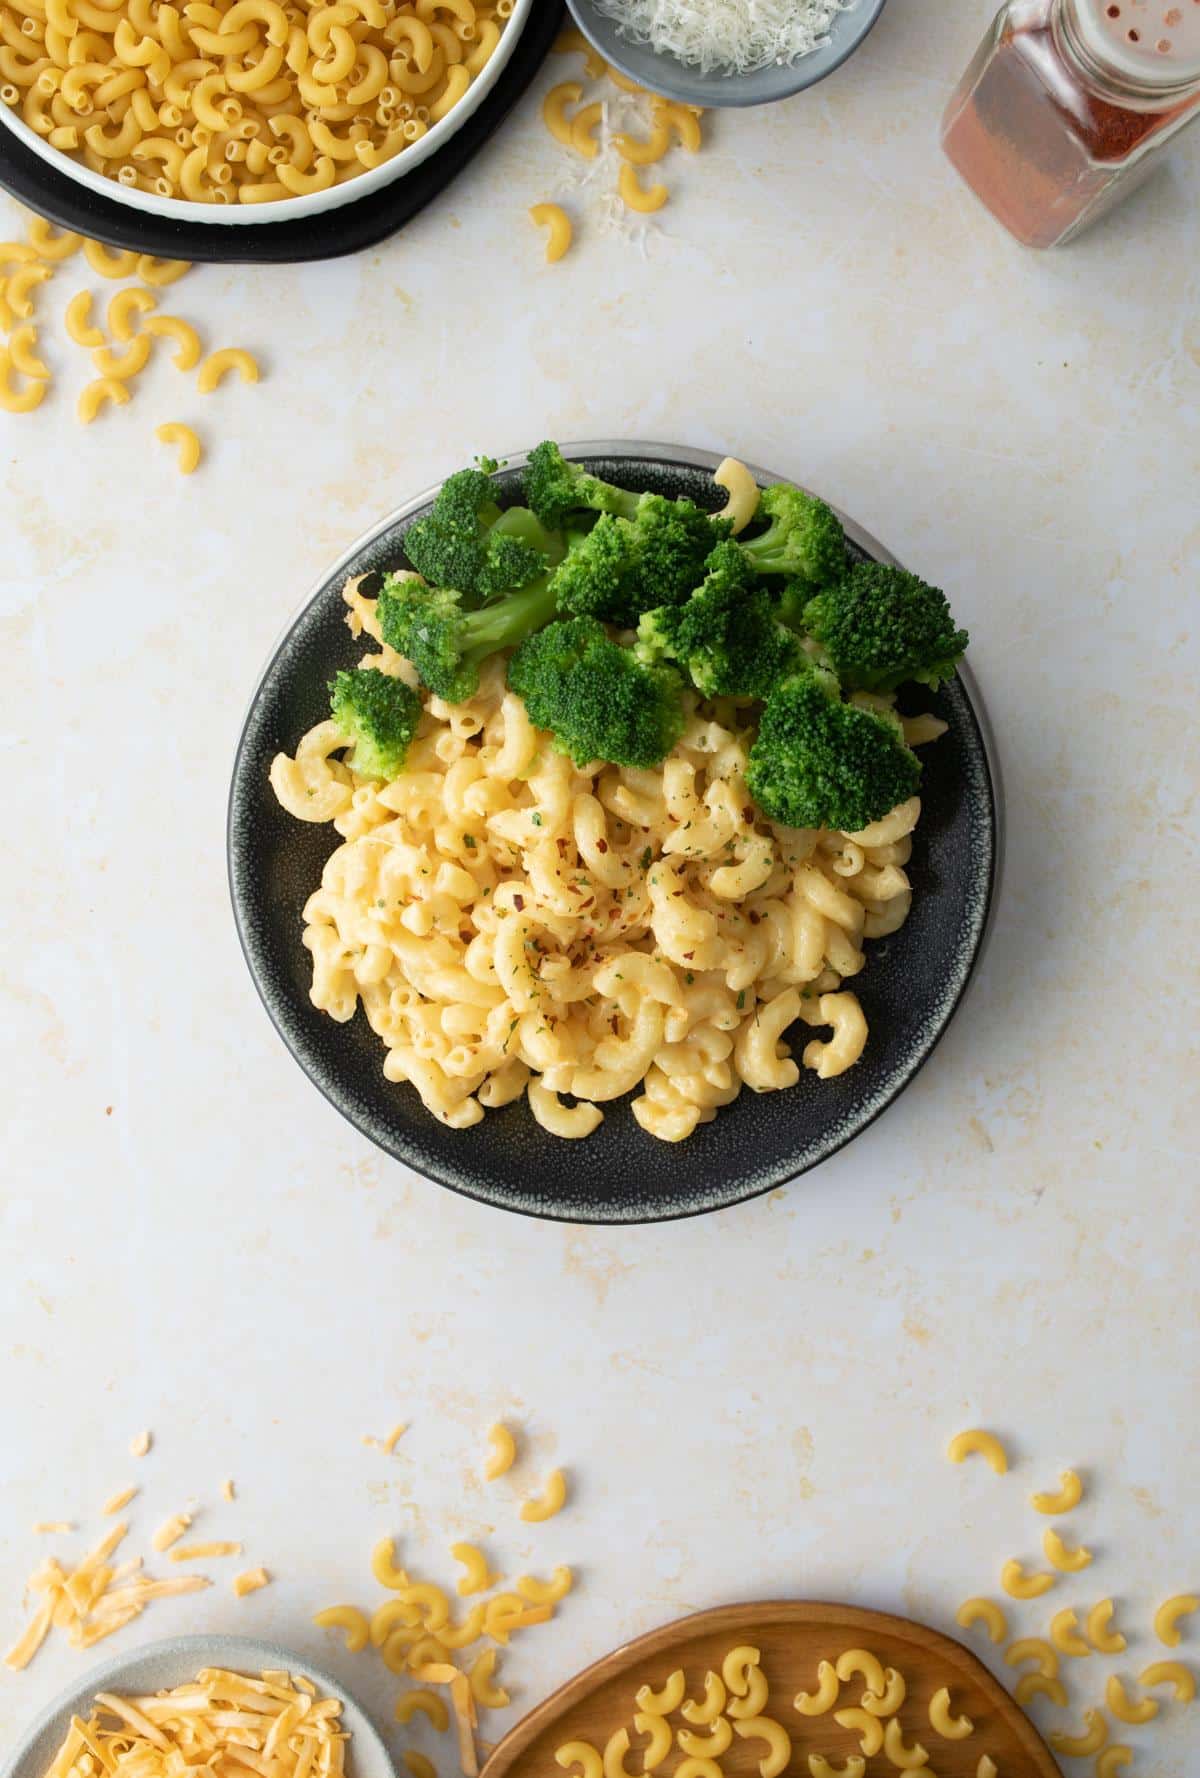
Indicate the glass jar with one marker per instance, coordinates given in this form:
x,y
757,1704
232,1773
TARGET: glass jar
x,y
1067,105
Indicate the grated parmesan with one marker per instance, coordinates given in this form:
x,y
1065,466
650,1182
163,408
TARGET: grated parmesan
x,y
732,36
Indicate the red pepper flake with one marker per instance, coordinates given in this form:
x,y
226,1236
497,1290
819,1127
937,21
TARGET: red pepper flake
x,y
688,955
587,903
615,1026
754,918
519,903
602,845
562,847
675,894
748,813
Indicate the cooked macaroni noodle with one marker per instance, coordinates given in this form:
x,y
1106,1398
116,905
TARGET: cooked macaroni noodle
x,y
513,924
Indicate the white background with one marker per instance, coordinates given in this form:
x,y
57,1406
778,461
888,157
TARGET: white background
x,y
749,1404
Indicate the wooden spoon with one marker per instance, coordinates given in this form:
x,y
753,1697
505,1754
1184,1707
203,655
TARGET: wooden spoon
x,y
793,1637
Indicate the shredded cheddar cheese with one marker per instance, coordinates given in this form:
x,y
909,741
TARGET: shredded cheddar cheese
x,y
198,1552
221,1722
117,1502
139,1444
170,1531
249,1581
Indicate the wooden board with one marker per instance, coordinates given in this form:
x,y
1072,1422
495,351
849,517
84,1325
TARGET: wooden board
x,y
793,1636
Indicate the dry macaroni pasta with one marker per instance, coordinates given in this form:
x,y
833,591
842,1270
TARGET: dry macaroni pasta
x,y
240,101
511,924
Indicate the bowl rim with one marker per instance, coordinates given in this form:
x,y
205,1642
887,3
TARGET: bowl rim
x,y
259,1651
645,451
290,209
723,92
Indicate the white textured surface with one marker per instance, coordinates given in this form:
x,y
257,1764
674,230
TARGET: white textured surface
x,y
751,1404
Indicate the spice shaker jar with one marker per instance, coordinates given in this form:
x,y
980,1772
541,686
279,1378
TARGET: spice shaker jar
x,y
1067,105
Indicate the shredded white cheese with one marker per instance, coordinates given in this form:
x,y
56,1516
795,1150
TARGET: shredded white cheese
x,y
732,36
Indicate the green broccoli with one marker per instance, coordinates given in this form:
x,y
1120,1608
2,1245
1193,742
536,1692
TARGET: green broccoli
x,y
464,542
379,714
803,540
597,699
555,489
623,567
817,762
446,639
726,636
881,626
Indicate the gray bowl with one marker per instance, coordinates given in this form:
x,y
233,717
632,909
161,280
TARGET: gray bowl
x,y
675,80
157,1666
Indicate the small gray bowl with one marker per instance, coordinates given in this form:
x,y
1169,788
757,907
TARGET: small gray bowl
x,y
676,80
158,1666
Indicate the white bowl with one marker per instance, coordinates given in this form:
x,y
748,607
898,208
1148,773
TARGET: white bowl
x,y
158,1666
285,209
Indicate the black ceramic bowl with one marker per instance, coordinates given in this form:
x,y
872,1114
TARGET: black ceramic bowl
x,y
909,990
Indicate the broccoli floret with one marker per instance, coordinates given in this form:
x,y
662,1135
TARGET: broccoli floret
x,y
881,626
379,714
623,567
817,762
447,640
589,580
726,636
804,538
555,489
597,699
462,544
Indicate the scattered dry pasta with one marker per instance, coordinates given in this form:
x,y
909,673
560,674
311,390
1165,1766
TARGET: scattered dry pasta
x,y
1065,1500
187,442
986,1612
551,1500
978,1443
242,101
1168,1615
557,223
1067,1561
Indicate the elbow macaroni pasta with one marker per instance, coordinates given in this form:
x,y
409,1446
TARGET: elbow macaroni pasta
x,y
511,924
975,1442
185,102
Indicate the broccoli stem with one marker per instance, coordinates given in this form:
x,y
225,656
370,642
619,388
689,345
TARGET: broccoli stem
x,y
514,617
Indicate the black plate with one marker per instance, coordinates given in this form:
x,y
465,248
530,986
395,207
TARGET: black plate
x,y
347,230
909,990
